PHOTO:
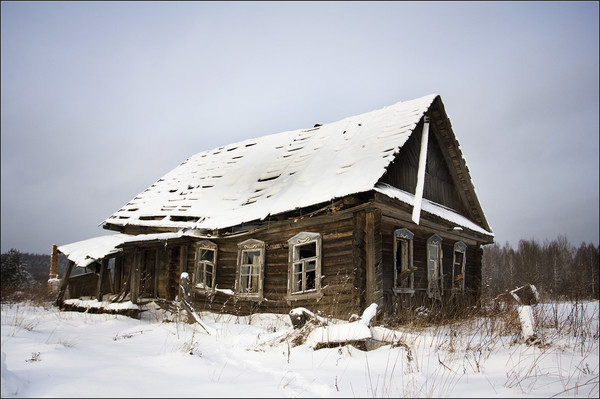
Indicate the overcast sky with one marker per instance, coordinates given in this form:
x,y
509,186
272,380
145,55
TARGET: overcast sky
x,y
101,99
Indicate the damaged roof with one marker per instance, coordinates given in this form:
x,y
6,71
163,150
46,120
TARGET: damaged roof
x,y
255,178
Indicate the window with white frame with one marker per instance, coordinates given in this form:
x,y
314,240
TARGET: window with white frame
x,y
251,260
435,280
304,271
206,261
404,271
458,266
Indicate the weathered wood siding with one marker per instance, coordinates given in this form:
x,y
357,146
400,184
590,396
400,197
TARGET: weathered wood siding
x,y
357,263
439,186
342,282
402,305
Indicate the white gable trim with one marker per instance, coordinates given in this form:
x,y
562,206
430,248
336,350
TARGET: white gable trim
x,y
431,208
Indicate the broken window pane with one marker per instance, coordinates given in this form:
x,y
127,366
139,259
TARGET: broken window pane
x,y
205,254
306,251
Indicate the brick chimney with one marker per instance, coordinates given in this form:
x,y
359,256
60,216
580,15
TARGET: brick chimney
x,y
53,275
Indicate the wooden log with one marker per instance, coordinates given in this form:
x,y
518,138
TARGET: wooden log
x,y
186,300
525,295
103,267
183,259
118,274
134,275
124,289
406,273
300,316
63,283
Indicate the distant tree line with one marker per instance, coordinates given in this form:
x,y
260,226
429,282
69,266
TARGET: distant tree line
x,y
557,269
39,265
26,272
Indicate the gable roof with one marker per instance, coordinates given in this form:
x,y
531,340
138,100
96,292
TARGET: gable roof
x,y
255,178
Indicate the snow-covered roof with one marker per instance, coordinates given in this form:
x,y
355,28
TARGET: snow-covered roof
x,y
255,178
84,253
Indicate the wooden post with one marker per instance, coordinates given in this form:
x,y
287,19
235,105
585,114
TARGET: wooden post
x,y
183,253
126,287
416,213
370,257
156,255
118,274
186,288
186,300
134,276
103,266
375,284
63,283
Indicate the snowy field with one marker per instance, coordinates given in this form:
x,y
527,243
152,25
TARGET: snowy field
x,y
47,353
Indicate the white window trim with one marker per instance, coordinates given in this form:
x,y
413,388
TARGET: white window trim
x,y
205,244
250,245
407,236
302,239
434,276
459,247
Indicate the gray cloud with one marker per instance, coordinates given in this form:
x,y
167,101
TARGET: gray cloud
x,y
100,99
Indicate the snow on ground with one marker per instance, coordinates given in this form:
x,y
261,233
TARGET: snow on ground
x,y
48,353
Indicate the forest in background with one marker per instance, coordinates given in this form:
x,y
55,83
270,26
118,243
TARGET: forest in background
x,y
558,269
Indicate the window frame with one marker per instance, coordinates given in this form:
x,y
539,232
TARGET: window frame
x,y
404,237
459,247
211,246
301,239
249,246
435,274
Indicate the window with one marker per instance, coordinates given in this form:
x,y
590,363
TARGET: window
x,y
251,259
458,267
404,271
206,261
435,281
304,271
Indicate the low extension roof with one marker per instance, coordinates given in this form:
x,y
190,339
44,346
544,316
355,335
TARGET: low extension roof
x,y
84,253
255,178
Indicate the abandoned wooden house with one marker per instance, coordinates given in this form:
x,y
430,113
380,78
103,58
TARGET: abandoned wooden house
x,y
375,208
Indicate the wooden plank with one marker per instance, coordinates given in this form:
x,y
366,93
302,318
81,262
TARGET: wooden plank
x,y
183,259
156,260
135,276
101,278
359,259
370,258
63,283
118,273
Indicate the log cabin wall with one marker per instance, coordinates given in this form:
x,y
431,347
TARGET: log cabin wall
x,y
357,263
401,306
343,278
